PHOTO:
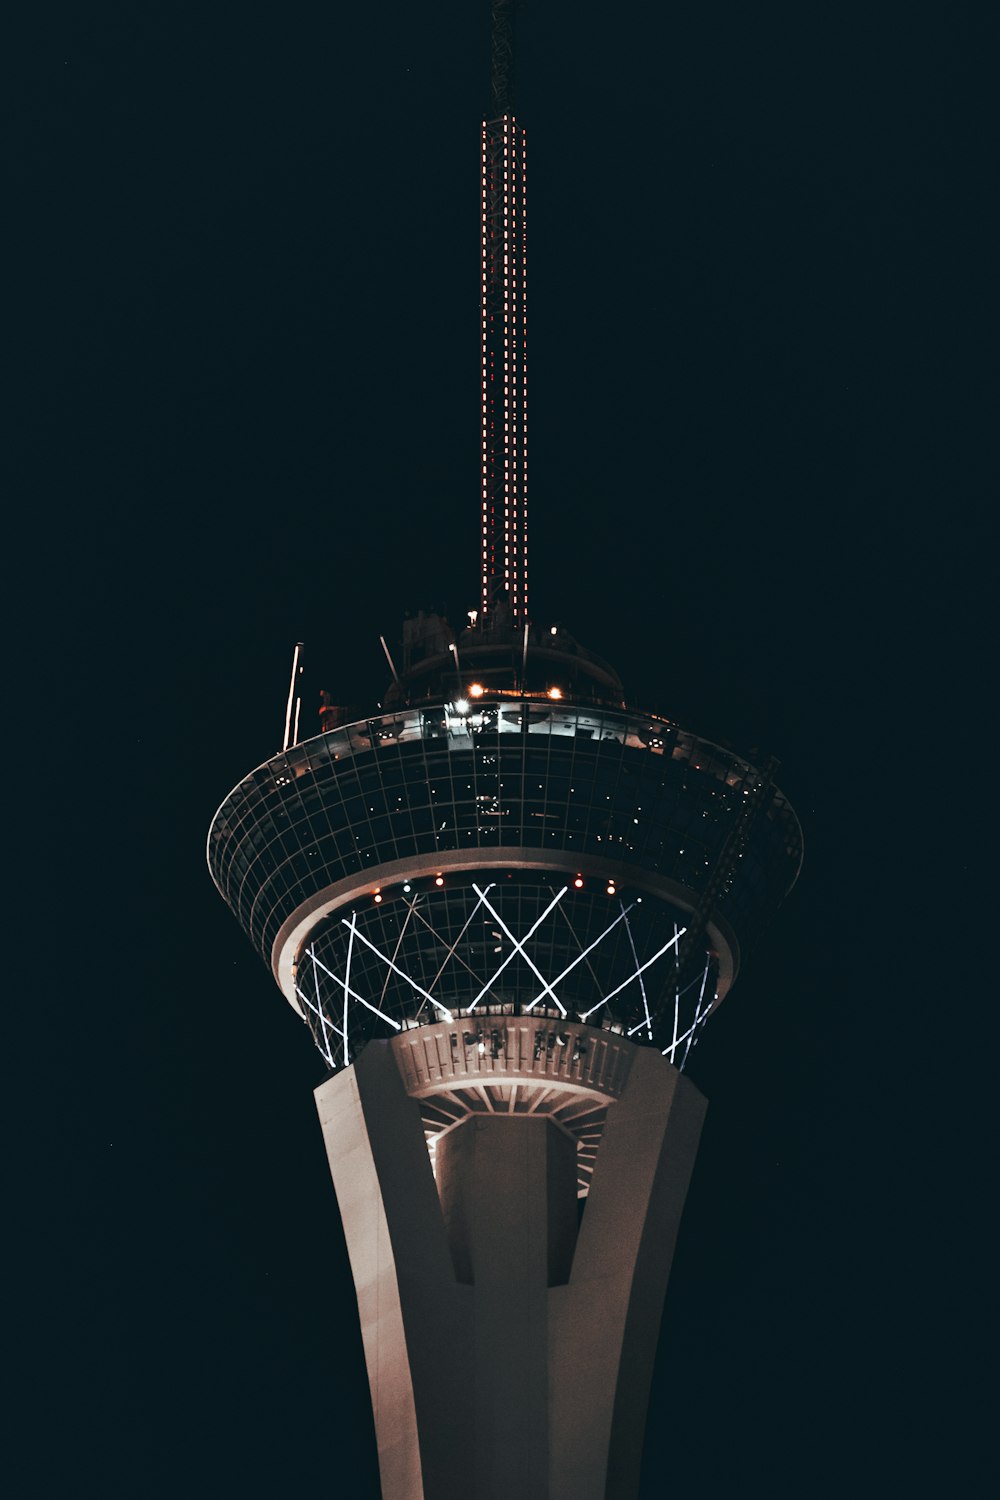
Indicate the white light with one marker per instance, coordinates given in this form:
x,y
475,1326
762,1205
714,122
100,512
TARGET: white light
x,y
446,1013
347,988
462,706
519,947
642,987
642,970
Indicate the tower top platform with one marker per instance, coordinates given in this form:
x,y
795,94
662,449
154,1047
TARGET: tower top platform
x,y
511,854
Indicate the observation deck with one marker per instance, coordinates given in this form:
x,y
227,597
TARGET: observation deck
x,y
516,857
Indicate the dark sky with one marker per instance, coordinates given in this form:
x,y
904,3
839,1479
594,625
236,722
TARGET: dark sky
x,y
244,413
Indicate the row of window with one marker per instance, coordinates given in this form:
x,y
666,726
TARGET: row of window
x,y
495,767
272,872
422,781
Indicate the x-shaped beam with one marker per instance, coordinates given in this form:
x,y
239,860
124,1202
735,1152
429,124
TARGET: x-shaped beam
x,y
519,948
352,924
641,970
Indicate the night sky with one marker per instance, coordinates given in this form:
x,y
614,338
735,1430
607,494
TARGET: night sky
x,y
245,413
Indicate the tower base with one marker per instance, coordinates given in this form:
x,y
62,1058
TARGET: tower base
x,y
509,1340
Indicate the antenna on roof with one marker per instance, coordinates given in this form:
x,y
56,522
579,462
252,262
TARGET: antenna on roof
x,y
392,665
296,673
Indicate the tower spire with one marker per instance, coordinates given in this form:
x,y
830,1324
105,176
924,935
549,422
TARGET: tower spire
x,y
504,384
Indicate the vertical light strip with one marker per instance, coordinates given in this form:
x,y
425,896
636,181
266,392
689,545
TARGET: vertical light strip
x,y
698,1017
291,696
642,986
502,369
677,1000
308,1003
518,947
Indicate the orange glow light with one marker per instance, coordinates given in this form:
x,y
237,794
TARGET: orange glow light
x,y
476,690
555,692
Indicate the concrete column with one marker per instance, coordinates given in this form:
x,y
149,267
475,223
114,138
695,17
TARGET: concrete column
x,y
508,1191
415,1317
605,1325
504,1359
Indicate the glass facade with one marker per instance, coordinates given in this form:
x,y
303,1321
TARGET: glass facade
x,y
576,782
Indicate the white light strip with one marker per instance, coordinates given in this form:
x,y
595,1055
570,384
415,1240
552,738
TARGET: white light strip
x,y
677,1008
347,975
645,1002
455,944
399,943
697,1013
353,993
305,998
322,1017
581,956
396,969
699,1021
291,695
519,948
639,971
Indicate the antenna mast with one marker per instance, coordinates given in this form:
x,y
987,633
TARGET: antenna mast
x,y
504,376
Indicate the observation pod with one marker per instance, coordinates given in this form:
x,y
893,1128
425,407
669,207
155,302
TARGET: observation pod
x,y
479,906
518,856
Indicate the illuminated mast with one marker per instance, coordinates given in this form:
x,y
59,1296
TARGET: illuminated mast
x,y
504,378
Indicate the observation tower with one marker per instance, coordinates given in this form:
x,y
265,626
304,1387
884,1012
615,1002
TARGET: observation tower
x,y
505,904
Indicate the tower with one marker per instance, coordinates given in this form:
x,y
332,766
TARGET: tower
x,y
505,904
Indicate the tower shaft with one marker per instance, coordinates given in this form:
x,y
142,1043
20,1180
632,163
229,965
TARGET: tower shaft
x,y
504,380
509,1353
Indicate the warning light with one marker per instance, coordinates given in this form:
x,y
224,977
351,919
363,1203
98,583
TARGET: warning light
x,y
439,880
378,898
578,882
611,888
555,692
476,690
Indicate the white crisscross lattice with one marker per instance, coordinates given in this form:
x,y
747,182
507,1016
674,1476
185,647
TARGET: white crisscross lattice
x,y
315,978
